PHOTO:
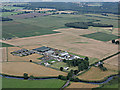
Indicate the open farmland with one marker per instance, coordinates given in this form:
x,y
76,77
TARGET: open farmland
x,y
15,83
101,36
7,56
6,45
66,41
96,74
42,25
19,68
9,30
27,16
81,85
113,61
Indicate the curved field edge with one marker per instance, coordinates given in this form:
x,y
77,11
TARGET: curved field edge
x,y
81,80
15,83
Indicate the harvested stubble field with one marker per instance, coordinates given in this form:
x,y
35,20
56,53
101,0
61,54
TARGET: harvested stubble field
x,y
81,85
66,40
19,68
113,61
96,74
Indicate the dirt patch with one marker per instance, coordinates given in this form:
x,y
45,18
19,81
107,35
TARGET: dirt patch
x,y
19,68
82,85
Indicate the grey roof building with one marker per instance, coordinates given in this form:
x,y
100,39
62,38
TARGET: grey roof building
x,y
42,49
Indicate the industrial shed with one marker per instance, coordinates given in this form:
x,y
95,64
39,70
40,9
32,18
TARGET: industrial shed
x,y
42,49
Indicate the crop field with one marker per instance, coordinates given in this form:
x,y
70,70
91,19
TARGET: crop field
x,y
81,85
96,74
9,30
66,41
6,14
19,68
113,61
15,83
101,36
27,16
11,7
6,45
42,25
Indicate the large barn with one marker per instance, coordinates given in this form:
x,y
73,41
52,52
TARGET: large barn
x,y
42,49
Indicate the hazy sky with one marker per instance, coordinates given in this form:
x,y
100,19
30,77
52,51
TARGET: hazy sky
x,y
59,0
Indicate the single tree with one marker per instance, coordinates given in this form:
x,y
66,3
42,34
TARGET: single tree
x,y
117,42
113,41
25,76
86,58
31,77
61,68
30,60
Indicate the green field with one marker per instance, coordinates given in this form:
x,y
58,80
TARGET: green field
x,y
15,29
112,85
45,24
101,36
6,14
6,45
16,83
37,26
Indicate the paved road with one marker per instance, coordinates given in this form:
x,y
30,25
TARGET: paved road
x,y
68,81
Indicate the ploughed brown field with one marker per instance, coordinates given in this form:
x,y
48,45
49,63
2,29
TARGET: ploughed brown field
x,y
82,85
19,68
70,40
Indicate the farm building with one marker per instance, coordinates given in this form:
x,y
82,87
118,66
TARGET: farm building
x,y
66,68
64,54
50,52
42,49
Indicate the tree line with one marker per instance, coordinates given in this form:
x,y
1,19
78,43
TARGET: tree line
x,y
5,19
85,25
109,7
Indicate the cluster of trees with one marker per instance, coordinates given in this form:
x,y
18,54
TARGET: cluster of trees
x,y
111,7
70,76
25,75
82,64
5,19
6,10
85,25
115,42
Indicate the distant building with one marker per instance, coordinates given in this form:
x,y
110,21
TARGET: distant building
x,y
42,49
66,68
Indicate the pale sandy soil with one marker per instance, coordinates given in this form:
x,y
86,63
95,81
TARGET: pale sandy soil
x,y
66,40
19,68
81,85
96,74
